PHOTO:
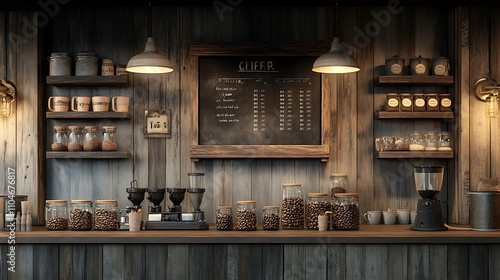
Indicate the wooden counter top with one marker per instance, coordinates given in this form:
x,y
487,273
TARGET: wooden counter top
x,y
372,234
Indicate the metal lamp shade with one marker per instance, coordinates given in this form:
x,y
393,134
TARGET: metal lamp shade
x,y
336,61
150,61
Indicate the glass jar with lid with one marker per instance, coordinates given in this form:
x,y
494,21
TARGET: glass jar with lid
x,y
224,217
60,139
444,141
338,183
246,215
56,214
431,141
292,206
108,138
417,141
271,218
105,215
80,215
345,212
317,204
75,138
91,140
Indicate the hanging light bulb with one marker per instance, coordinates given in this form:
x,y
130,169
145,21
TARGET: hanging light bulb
x,y
492,106
149,61
336,60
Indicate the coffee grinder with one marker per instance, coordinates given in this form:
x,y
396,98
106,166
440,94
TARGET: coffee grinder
x,y
428,182
175,218
136,196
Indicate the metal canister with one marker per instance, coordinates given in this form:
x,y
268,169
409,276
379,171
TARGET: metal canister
x,y
60,64
419,66
406,102
394,66
419,104
440,66
432,102
445,102
86,64
392,102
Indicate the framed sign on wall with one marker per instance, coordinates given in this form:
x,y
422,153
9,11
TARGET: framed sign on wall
x,y
264,102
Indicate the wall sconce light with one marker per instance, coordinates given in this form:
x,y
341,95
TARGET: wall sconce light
x,y
149,61
488,90
7,96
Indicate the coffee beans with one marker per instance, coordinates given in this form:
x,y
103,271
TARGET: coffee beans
x,y
224,221
75,146
345,216
292,209
246,219
91,145
56,223
80,219
59,147
105,219
108,145
314,209
271,222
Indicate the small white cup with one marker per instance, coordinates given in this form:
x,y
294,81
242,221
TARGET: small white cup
x,y
373,217
58,103
403,216
80,103
120,103
134,221
389,217
100,103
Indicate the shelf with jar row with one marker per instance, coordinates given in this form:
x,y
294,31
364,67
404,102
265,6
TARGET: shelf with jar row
x,y
88,155
414,154
413,115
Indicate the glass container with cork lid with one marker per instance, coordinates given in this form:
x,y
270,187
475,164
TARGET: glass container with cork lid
x,y
75,138
317,204
338,183
345,212
56,214
105,215
60,139
80,215
271,218
91,140
224,217
246,216
109,138
292,206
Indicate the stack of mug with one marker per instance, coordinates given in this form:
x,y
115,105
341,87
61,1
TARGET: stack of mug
x,y
390,217
86,103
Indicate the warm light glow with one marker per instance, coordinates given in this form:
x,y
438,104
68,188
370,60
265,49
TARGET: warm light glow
x,y
492,106
336,61
149,61
6,109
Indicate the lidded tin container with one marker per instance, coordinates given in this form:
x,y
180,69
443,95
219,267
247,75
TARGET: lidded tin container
x,y
60,64
346,212
292,206
107,67
224,217
432,102
392,102
271,218
419,102
394,66
60,139
80,215
109,138
317,204
445,102
440,66
246,215
406,102
484,210
86,64
338,183
56,214
91,140
419,66
75,138
105,215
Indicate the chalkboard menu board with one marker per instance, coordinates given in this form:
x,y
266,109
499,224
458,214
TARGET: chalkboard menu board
x,y
259,100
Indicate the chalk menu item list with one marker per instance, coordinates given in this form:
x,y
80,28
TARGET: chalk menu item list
x,y
268,100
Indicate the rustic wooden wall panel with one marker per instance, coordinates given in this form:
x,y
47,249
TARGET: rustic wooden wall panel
x,y
495,74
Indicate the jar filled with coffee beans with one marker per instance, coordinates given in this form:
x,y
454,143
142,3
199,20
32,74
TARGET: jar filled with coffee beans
x,y
246,215
80,215
271,218
224,217
56,214
292,206
91,140
75,138
338,183
60,139
345,210
105,215
108,138
317,204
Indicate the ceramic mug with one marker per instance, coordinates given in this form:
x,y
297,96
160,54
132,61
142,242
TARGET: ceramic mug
x,y
403,216
373,217
120,103
80,103
100,103
58,103
389,217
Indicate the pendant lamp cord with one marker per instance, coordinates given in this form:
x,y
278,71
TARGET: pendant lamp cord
x,y
150,24
336,19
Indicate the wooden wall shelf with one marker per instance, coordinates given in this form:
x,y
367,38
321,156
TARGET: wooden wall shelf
x,y
88,80
413,115
414,80
90,155
414,154
87,115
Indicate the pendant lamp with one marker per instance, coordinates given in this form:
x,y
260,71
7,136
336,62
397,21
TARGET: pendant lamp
x,y
336,61
149,61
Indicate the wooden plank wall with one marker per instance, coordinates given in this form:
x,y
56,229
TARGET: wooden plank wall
x,y
254,261
354,99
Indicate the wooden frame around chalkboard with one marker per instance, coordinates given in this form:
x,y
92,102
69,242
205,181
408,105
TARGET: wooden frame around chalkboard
x,y
321,151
